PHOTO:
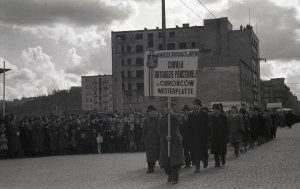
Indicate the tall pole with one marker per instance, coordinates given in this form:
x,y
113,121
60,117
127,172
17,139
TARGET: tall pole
x,y
164,47
3,90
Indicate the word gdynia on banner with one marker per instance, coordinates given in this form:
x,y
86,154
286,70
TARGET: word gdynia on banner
x,y
171,73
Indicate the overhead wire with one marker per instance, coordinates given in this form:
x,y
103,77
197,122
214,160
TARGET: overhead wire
x,y
206,8
191,9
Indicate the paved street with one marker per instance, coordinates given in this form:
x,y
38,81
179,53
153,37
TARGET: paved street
x,y
272,165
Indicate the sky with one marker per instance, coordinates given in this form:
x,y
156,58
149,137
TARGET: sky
x,y
50,44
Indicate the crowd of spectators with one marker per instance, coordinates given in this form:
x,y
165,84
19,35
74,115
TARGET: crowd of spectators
x,y
85,134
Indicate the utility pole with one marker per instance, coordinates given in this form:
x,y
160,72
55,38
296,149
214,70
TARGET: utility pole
x,y
164,47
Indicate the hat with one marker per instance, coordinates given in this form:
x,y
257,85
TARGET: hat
x,y
186,108
151,108
216,106
221,105
243,111
197,101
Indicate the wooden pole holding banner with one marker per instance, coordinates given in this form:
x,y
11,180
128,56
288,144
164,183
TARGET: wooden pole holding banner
x,y
164,47
3,105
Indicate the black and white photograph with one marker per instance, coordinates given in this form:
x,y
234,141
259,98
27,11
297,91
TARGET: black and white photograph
x,y
149,94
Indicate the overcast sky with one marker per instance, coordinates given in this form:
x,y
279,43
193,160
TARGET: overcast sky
x,y
49,44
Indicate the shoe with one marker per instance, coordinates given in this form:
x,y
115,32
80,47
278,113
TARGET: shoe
x,y
217,165
223,162
205,164
236,155
187,166
150,171
170,179
197,171
174,182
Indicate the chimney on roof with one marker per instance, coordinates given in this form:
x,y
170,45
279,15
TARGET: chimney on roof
x,y
177,26
145,29
186,25
157,28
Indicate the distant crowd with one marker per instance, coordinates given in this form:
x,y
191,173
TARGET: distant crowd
x,y
107,133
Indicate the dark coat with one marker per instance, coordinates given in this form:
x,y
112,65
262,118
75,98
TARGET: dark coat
x,y
62,136
151,139
258,123
13,136
289,119
198,135
236,128
219,133
247,127
176,150
184,131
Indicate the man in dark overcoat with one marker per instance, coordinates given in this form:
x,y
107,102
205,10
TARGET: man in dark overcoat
x,y
171,164
198,135
151,138
184,131
219,135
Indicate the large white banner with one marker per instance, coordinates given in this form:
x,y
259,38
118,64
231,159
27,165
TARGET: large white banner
x,y
171,73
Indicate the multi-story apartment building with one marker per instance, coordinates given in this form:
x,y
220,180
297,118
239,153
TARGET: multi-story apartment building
x,y
276,91
228,67
97,93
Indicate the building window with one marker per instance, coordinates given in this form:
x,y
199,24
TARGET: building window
x,y
140,74
159,46
122,37
150,40
139,36
122,61
182,45
171,34
139,48
122,48
171,46
128,61
129,86
122,74
128,48
140,86
139,61
129,74
193,45
159,35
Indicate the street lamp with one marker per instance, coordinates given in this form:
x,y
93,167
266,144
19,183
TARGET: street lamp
x,y
3,70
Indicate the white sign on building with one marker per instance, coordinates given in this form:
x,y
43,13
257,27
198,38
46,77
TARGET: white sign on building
x,y
171,73
274,105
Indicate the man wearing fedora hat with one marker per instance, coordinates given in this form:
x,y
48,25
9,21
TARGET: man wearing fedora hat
x,y
198,135
151,138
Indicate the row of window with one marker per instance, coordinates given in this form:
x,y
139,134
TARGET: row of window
x,y
170,46
133,74
138,61
133,86
140,36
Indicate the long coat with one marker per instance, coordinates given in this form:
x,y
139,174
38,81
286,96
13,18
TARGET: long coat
x,y
176,150
151,138
13,136
219,133
184,131
198,135
236,128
